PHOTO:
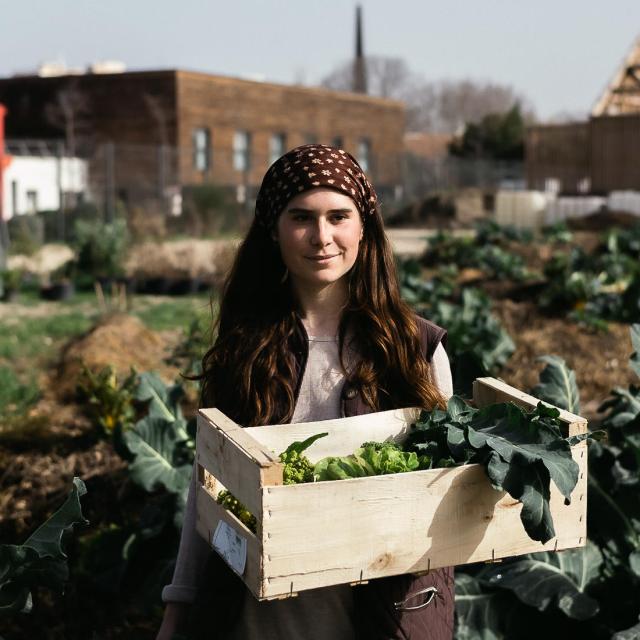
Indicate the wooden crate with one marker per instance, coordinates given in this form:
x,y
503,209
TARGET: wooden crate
x,y
349,531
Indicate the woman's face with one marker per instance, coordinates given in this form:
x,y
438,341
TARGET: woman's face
x,y
319,232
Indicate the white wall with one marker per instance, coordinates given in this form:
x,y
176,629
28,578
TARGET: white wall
x,y
44,176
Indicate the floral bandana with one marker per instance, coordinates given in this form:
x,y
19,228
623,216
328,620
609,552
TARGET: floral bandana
x,y
308,167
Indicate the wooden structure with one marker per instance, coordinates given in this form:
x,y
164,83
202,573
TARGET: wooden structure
x,y
599,155
349,531
622,94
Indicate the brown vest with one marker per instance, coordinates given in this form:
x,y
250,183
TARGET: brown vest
x,y
376,615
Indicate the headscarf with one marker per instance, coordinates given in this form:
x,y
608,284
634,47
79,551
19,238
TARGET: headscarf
x,y
309,167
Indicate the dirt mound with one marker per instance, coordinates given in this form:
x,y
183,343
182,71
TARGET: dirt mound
x,y
121,341
600,360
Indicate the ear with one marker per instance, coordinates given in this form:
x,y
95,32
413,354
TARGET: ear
x,y
274,235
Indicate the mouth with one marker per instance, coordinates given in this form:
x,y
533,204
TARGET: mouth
x,y
322,259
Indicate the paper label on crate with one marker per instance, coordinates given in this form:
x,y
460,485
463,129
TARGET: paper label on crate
x,y
231,546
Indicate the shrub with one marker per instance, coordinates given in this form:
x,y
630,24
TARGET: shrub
x,y
101,247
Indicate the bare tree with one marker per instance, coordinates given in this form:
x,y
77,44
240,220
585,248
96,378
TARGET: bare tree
x,y
69,111
386,77
440,107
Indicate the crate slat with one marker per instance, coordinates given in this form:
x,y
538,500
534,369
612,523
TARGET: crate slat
x,y
490,390
345,434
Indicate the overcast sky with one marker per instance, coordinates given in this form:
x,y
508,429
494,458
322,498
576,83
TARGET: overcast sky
x,y
559,53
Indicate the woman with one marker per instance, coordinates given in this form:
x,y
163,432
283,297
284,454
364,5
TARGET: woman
x,y
312,327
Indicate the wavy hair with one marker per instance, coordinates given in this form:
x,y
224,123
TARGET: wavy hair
x,y
249,371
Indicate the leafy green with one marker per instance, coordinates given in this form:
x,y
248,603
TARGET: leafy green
x,y
478,611
107,400
371,459
521,452
160,443
40,560
558,385
541,579
635,341
297,467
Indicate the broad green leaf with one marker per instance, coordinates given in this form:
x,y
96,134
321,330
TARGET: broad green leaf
x,y
46,540
477,612
158,456
300,446
556,457
163,400
558,385
560,578
634,562
635,341
40,561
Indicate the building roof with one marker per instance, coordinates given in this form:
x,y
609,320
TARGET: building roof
x,y
343,95
622,94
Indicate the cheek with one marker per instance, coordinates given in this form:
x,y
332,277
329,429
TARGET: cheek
x,y
290,245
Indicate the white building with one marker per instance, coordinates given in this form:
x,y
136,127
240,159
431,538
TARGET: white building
x,y
36,180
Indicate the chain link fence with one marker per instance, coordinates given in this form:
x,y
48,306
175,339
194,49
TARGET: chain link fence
x,y
163,191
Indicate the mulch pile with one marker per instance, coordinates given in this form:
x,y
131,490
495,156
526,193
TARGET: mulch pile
x,y
120,340
600,360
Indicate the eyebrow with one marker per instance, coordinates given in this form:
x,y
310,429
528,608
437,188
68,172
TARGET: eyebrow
x,y
302,210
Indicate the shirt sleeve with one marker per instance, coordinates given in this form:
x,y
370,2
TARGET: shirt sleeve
x,y
441,370
192,554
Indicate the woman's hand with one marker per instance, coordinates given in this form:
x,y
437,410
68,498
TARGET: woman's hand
x,y
175,614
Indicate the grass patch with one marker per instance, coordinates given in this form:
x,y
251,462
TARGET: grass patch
x,y
31,337
176,314
16,396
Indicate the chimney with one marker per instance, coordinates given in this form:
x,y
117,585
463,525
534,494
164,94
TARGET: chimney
x,y
359,67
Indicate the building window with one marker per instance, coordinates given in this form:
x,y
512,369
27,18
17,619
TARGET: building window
x,y
310,138
337,142
32,202
241,150
201,149
364,154
277,144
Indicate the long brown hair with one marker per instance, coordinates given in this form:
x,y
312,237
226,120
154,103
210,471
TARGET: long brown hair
x,y
249,371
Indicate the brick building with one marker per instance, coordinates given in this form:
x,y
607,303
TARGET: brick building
x,y
150,133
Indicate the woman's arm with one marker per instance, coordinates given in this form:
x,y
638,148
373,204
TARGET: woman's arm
x,y
175,616
191,560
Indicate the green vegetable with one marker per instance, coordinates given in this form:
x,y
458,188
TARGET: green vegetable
x,y
371,459
521,452
230,503
297,468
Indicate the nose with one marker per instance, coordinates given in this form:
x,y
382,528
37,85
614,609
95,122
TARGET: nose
x,y
321,233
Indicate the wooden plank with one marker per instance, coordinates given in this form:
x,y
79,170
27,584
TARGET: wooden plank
x,y
209,513
403,523
239,471
239,435
490,390
345,434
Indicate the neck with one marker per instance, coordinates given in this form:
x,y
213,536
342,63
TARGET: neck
x,y
322,307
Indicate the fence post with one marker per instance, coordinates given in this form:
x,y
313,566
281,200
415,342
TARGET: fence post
x,y
109,153
60,152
